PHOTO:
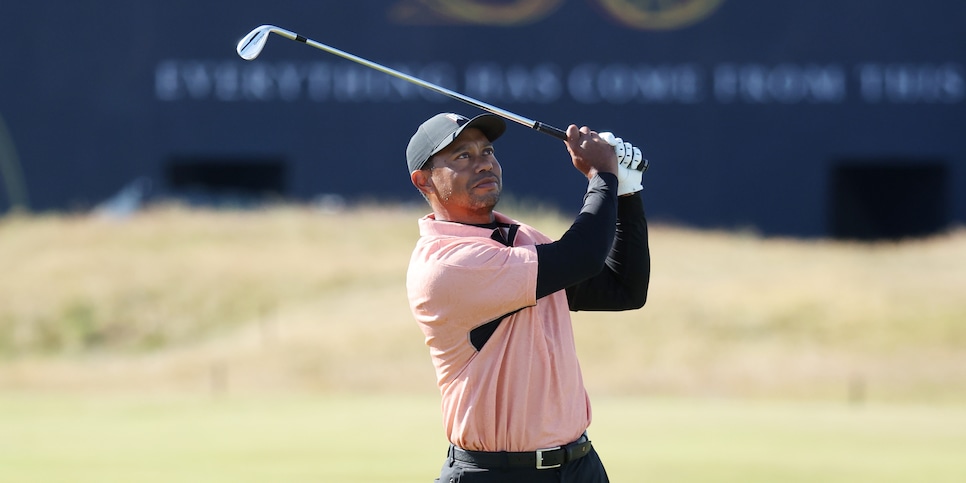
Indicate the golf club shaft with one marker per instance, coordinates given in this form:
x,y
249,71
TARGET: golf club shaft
x,y
536,125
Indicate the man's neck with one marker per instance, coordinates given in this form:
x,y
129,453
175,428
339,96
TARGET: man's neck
x,y
467,218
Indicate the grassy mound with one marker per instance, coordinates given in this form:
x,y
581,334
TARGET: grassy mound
x,y
293,298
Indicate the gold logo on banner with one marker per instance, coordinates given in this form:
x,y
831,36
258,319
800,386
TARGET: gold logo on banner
x,y
659,14
481,12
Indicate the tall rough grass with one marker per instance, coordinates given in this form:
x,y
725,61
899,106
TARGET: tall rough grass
x,y
293,298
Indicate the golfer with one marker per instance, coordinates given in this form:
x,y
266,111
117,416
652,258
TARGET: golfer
x,y
493,297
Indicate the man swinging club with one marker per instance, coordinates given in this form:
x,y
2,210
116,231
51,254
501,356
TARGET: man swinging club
x,y
493,297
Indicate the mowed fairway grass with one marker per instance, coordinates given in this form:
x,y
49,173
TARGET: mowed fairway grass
x,y
276,345
397,439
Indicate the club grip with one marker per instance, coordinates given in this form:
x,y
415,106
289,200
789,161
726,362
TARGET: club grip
x,y
548,129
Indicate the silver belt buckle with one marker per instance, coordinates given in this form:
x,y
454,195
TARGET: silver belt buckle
x,y
540,465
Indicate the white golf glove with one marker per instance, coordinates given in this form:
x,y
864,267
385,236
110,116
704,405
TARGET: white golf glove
x,y
631,164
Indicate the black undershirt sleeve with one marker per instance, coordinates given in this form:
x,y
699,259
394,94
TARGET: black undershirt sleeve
x,y
623,284
616,280
582,251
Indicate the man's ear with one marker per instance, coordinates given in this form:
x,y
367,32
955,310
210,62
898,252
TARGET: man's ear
x,y
423,181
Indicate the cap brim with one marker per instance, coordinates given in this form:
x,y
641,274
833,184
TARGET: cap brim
x,y
491,125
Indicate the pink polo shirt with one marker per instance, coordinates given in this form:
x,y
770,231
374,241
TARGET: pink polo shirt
x,y
523,390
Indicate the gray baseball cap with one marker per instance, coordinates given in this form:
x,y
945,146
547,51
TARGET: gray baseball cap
x,y
440,130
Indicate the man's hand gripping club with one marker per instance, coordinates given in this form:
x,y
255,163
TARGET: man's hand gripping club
x,y
631,164
589,153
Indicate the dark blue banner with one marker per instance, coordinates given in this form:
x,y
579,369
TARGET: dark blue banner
x,y
804,117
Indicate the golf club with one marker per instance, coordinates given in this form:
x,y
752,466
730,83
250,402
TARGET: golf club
x,y
252,44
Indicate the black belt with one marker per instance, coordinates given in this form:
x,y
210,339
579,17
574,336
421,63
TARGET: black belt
x,y
541,459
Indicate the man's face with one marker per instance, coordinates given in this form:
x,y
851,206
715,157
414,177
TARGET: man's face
x,y
467,178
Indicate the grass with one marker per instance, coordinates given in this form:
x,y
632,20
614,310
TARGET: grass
x,y
362,438
732,441
277,345
292,298
163,439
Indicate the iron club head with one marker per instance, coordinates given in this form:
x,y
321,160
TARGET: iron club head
x,y
252,44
